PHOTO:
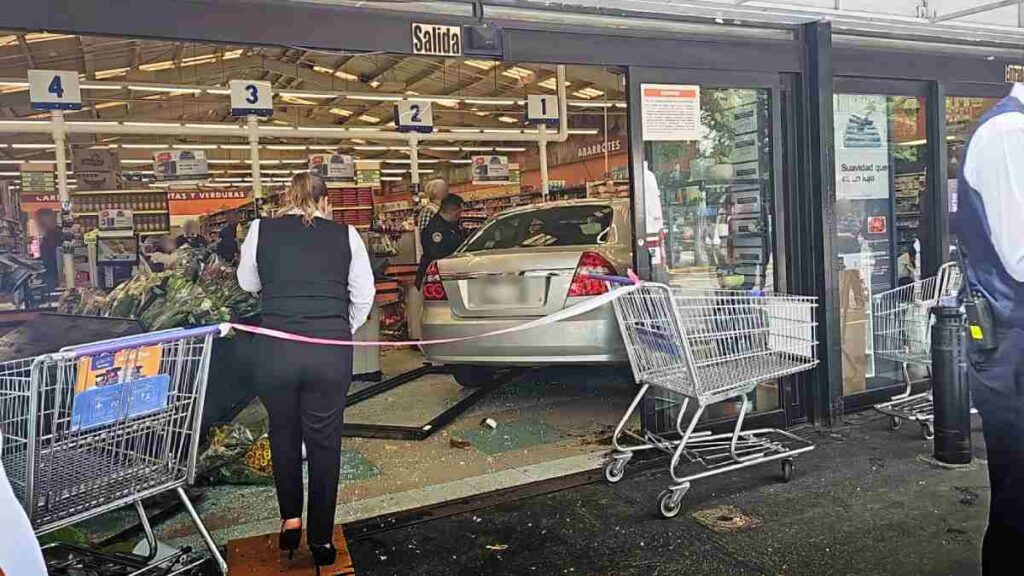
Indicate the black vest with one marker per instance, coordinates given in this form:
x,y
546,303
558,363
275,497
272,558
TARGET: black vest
x,y
304,273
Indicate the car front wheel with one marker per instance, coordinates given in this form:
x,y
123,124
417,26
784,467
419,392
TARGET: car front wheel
x,y
474,376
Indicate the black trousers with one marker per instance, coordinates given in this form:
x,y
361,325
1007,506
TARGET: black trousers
x,y
303,387
997,387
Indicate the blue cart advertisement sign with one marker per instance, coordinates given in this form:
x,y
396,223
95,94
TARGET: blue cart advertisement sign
x,y
118,386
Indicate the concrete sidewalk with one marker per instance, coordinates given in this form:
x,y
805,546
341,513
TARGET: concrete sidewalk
x,y
866,501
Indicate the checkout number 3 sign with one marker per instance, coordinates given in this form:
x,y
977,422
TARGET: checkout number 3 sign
x,y
251,97
54,90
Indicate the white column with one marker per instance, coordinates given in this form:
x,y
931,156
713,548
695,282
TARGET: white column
x,y
60,153
414,163
543,145
252,126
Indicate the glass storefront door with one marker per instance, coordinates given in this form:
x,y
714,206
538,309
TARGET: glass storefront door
x,y
881,159
708,167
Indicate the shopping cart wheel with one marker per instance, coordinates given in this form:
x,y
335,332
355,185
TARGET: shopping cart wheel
x,y
895,422
787,469
927,430
671,501
616,468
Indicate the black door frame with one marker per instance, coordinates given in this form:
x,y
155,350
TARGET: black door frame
x,y
659,420
934,242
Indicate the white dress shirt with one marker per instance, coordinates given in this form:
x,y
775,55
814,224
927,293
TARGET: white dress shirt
x,y
994,167
361,289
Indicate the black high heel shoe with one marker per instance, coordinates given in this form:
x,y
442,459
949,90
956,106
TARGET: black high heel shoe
x,y
323,555
288,540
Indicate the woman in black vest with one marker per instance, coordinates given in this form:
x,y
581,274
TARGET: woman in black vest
x,y
314,279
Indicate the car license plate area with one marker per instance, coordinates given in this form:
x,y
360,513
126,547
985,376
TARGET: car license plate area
x,y
517,292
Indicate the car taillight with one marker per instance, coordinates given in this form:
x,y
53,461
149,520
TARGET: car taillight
x,y
582,284
433,289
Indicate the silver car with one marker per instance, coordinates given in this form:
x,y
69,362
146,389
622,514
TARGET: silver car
x,y
522,264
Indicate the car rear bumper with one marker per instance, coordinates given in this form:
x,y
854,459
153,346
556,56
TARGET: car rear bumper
x,y
592,337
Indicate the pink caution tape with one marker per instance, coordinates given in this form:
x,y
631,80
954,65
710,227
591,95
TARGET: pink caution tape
x,y
564,314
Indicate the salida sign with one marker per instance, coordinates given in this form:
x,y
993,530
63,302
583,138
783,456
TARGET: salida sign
x,y
436,40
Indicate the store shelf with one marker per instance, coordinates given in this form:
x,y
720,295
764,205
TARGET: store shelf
x,y
149,211
344,208
111,192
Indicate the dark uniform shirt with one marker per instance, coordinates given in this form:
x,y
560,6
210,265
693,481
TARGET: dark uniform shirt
x,y
439,239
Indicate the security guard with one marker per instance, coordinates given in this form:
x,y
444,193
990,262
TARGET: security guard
x,y
442,236
991,238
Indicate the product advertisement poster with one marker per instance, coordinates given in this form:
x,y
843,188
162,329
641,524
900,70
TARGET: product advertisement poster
x,y
112,387
862,147
671,112
333,167
491,170
180,166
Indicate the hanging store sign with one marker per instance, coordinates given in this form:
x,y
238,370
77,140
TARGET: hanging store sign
x,y
207,194
670,112
251,97
491,170
414,116
180,166
862,147
436,40
54,90
368,177
542,109
37,183
333,167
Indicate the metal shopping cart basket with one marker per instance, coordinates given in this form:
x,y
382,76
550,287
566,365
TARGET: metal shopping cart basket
x,y
92,428
901,321
711,346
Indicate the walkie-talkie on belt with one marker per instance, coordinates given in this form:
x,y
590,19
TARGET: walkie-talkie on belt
x,y
981,329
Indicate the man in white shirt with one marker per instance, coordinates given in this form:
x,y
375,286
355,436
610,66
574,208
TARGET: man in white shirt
x,y
989,225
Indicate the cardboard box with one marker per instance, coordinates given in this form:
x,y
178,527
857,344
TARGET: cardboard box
x,y
88,160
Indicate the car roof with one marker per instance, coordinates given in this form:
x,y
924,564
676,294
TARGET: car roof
x,y
617,203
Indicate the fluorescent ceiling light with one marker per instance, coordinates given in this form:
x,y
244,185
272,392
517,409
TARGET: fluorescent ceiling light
x,y
519,73
297,100
508,120
304,95
374,97
510,149
145,146
552,83
393,171
477,148
502,131
369,147
363,129
34,146
340,112
443,148
90,86
220,91
481,64
17,83
135,161
370,119
111,73
446,101
194,146
590,131
465,130
285,147
588,92
491,102
321,129
287,161
173,89
234,146
323,147
335,73
591,104
375,83
391,178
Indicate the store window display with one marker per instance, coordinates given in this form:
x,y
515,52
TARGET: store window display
x,y
962,116
711,226
881,177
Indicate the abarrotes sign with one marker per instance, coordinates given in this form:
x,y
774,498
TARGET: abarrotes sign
x,y
436,40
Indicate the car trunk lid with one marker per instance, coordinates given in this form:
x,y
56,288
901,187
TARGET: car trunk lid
x,y
515,282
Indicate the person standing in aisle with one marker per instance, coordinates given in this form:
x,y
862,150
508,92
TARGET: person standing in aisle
x,y
314,279
227,244
988,227
191,236
50,239
435,191
442,236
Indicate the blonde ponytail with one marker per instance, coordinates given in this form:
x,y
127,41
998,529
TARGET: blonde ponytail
x,y
304,194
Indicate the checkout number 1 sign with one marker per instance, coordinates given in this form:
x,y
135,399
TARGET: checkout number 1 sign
x,y
54,90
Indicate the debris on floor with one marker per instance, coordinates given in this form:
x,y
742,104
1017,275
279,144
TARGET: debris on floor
x,y
726,519
462,444
489,423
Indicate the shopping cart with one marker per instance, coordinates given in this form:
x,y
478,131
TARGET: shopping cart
x,y
711,346
92,428
901,320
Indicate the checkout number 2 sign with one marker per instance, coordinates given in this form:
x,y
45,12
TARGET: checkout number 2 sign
x,y
251,97
54,90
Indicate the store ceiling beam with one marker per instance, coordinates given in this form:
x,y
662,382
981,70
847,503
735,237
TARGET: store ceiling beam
x,y
26,51
982,8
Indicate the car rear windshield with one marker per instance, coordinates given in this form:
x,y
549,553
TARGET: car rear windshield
x,y
558,226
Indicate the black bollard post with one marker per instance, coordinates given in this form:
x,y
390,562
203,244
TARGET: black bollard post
x,y
950,392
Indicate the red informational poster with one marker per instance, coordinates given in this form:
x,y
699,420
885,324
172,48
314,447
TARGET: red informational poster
x,y
876,225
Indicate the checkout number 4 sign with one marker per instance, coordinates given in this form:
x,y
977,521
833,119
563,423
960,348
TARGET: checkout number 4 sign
x,y
54,90
251,97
